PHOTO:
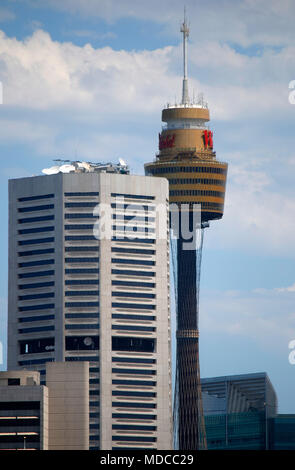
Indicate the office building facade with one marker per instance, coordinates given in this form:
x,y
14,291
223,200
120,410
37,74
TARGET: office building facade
x,y
79,295
239,411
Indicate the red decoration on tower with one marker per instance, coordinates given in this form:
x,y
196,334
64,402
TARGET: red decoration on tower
x,y
167,141
208,139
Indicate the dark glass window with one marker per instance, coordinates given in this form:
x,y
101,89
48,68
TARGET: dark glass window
x,y
41,262
79,227
35,198
133,294
136,306
36,274
82,304
36,296
129,272
80,194
36,208
13,381
133,328
36,285
36,241
37,329
82,343
30,220
73,293
133,239
35,346
36,307
133,284
82,271
36,318
83,326
124,404
133,344
133,196
133,261
77,282
134,382
36,252
36,230
80,204
133,251
82,260
135,360
82,248
133,416
124,316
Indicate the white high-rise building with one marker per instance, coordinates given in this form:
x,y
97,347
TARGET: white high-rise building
x,y
75,295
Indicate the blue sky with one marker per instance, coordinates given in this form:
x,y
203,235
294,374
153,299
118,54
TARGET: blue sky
x,y
88,79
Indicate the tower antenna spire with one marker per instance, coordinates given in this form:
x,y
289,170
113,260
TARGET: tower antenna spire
x,y
185,31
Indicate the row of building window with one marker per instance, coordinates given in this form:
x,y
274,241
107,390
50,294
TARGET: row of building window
x,y
130,251
142,295
80,216
36,241
197,181
36,318
129,272
82,315
36,274
31,264
82,271
133,261
77,282
80,194
133,328
82,248
133,228
134,284
36,285
35,198
123,316
36,208
46,295
132,207
136,306
133,416
46,251
80,204
133,196
74,293
195,192
186,169
26,231
31,220
82,260
36,307
140,383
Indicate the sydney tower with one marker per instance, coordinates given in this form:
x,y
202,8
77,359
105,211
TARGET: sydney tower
x,y
197,182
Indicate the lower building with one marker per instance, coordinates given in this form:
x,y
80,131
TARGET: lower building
x,y
39,417
241,414
23,411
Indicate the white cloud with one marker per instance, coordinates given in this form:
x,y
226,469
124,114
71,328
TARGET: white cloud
x,y
264,316
244,22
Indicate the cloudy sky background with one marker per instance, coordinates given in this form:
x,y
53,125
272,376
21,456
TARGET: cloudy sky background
x,y
87,79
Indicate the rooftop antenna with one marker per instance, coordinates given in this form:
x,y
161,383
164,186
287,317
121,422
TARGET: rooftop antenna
x,y
185,31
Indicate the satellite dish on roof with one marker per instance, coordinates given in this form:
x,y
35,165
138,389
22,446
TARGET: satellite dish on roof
x,y
66,168
122,162
51,171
